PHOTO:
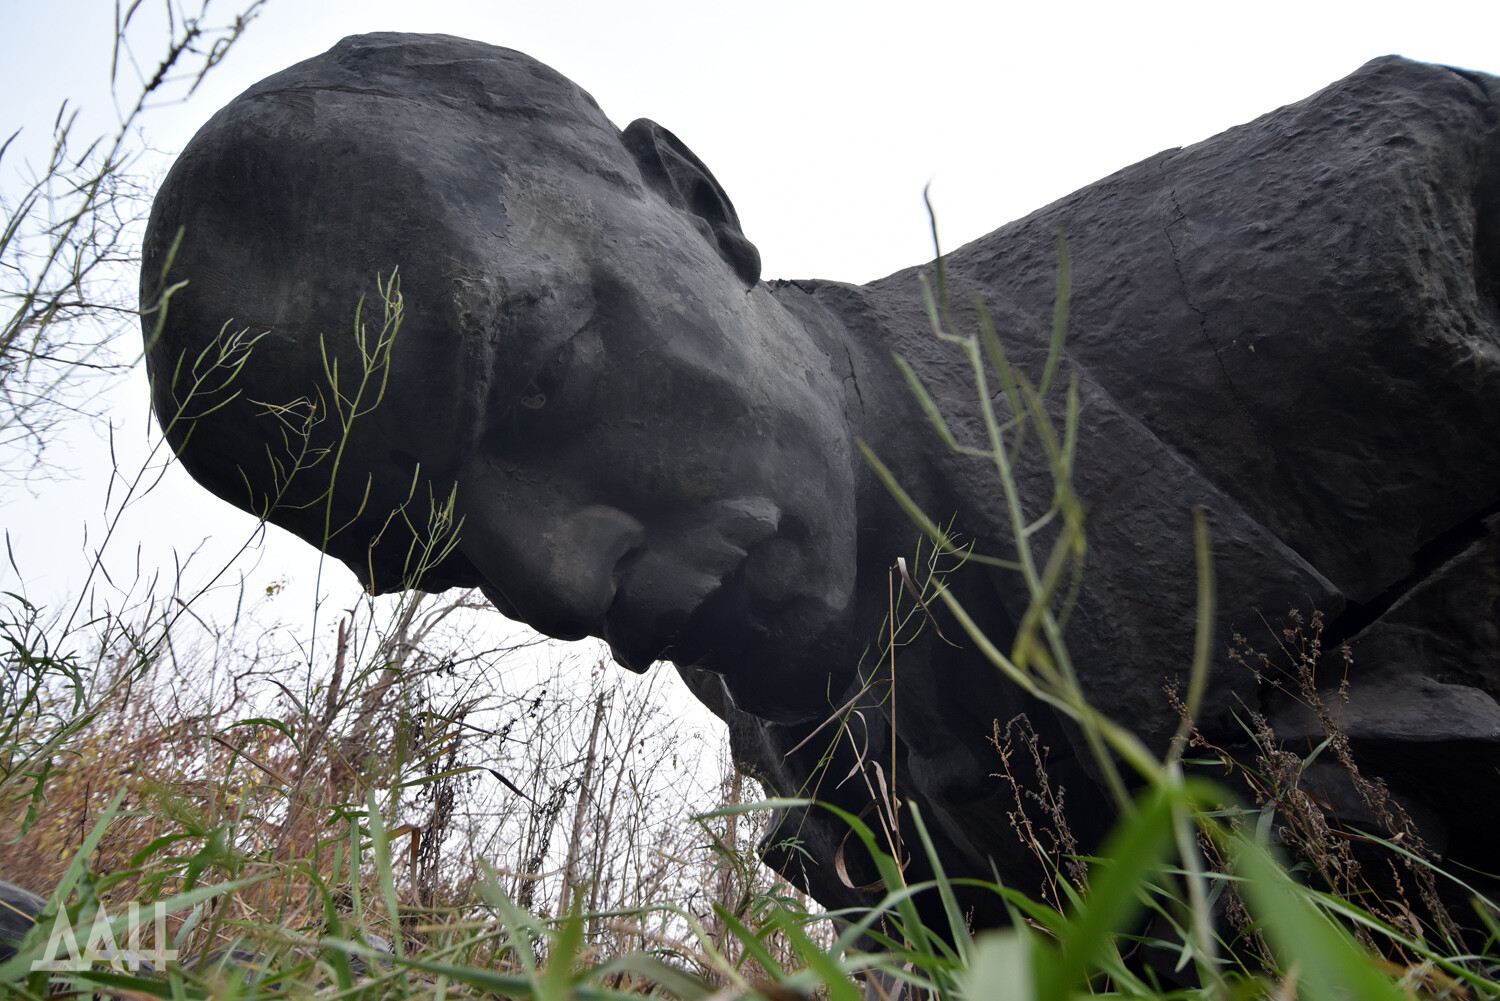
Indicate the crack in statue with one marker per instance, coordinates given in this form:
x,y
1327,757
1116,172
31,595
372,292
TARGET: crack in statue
x,y
648,444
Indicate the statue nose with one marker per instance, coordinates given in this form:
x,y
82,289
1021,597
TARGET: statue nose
x,y
558,575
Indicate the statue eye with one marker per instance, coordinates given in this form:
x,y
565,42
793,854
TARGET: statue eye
x,y
548,384
559,394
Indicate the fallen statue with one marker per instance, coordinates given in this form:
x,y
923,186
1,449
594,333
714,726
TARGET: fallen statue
x,y
1292,326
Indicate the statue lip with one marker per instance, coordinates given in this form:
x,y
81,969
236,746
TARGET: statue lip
x,y
673,591
637,652
717,633
680,636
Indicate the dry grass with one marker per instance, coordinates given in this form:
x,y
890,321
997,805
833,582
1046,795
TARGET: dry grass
x,y
1391,874
570,787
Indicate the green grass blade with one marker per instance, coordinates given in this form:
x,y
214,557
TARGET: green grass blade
x,y
1002,966
1136,851
834,980
1325,959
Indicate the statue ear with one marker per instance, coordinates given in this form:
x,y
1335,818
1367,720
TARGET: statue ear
x,y
672,170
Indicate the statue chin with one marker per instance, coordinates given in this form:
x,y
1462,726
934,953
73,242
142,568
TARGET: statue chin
x,y
776,701
791,685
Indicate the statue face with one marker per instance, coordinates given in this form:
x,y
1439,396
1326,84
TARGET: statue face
x,y
676,476
644,450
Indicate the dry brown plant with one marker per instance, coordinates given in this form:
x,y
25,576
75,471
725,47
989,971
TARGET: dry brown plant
x,y
573,786
1287,796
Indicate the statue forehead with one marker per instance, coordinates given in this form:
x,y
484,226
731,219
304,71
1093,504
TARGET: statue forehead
x,y
438,96
461,71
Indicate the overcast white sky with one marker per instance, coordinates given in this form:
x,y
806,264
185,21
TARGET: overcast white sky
x,y
823,120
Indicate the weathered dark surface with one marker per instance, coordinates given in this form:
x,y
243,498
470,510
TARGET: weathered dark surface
x,y
1292,325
